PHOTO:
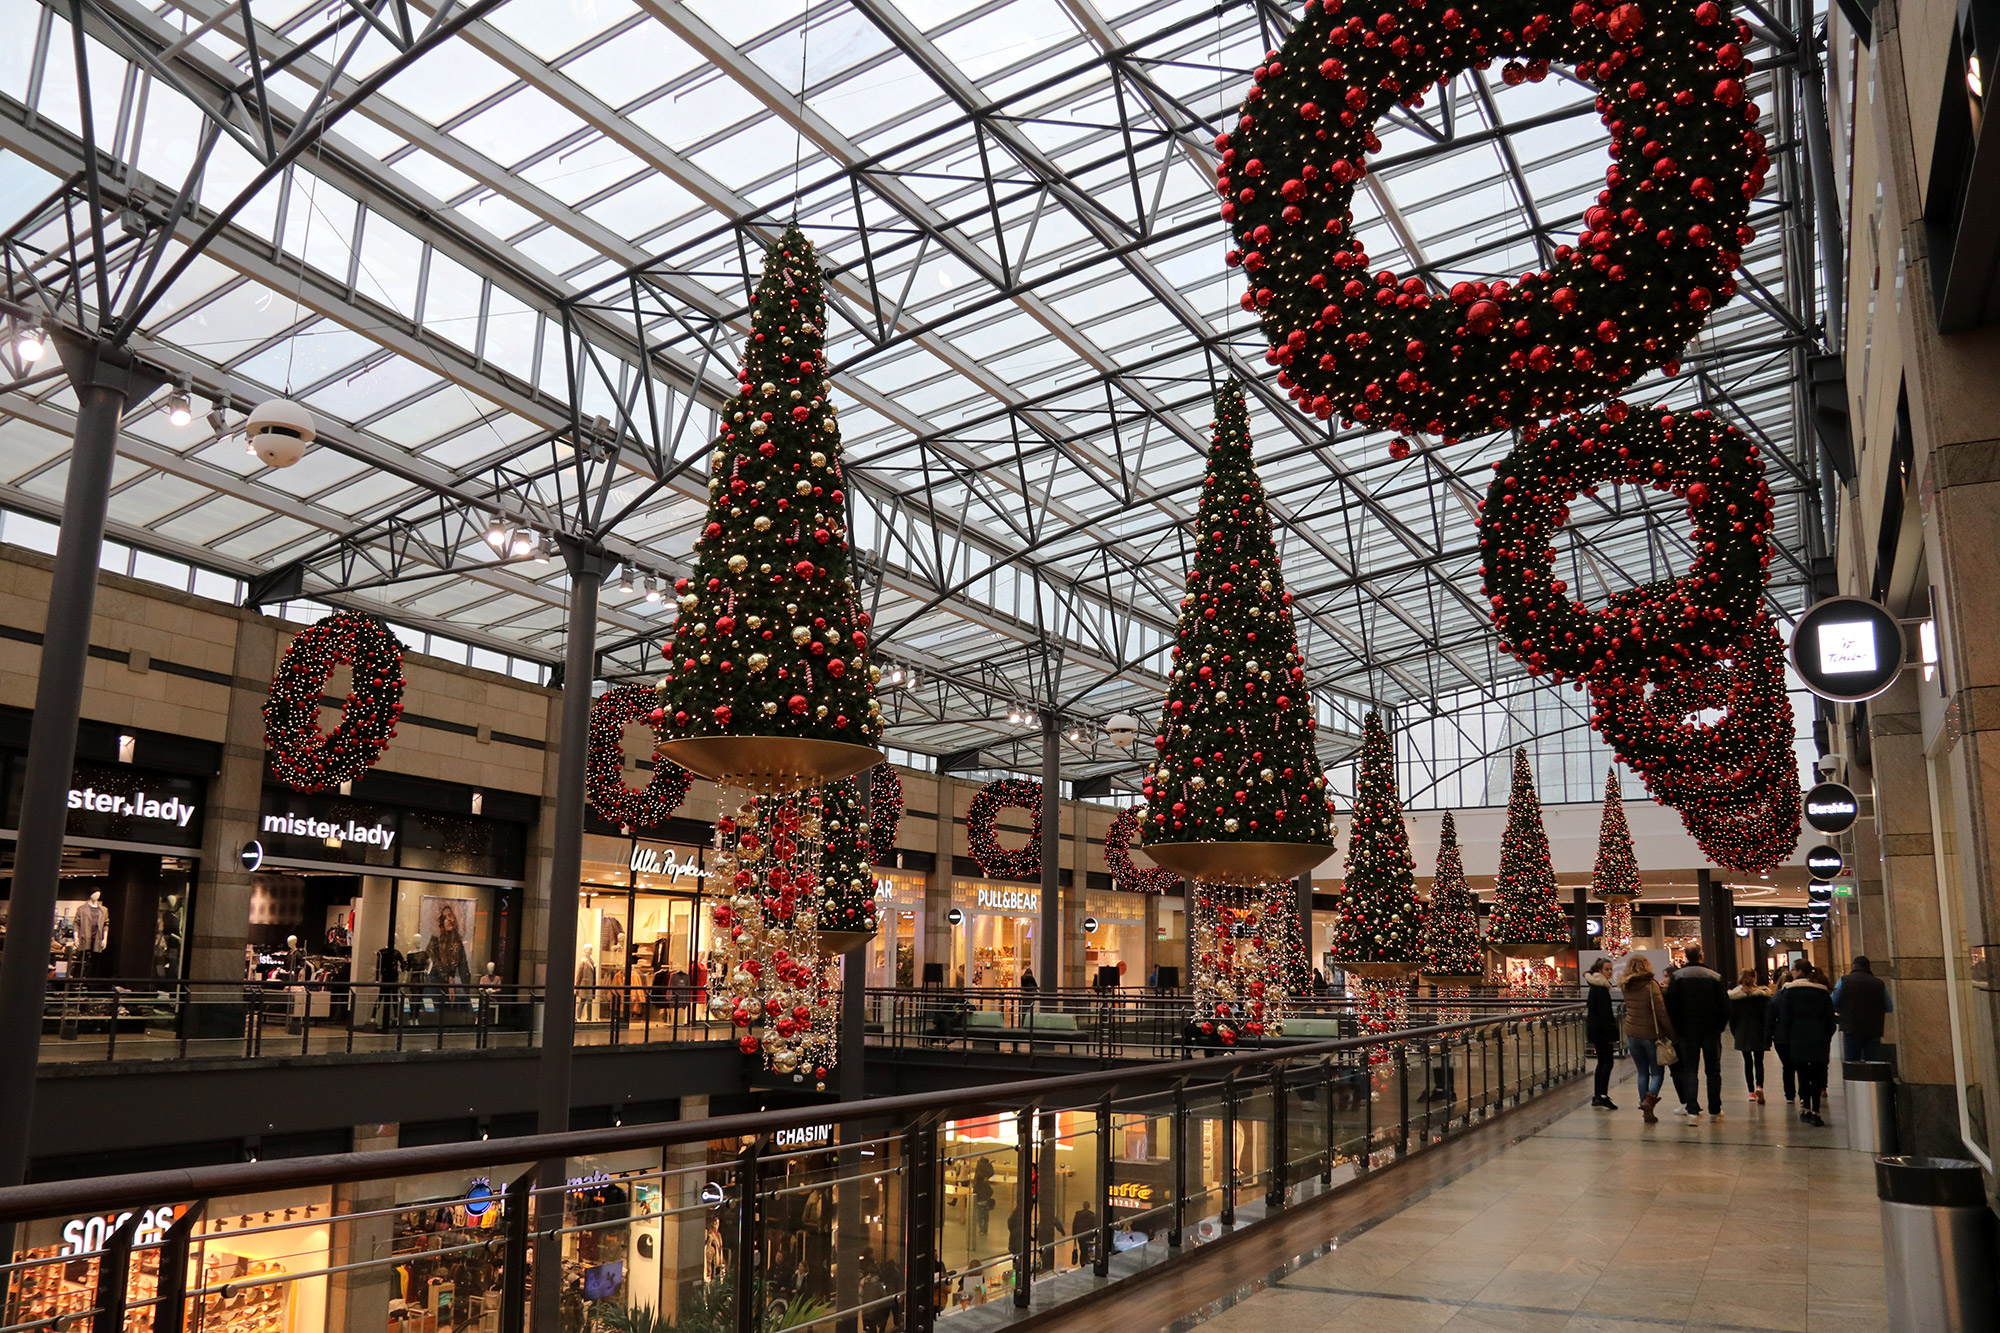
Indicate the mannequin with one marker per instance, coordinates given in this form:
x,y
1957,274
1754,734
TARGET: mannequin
x,y
388,971
416,971
586,982
490,978
93,931
167,937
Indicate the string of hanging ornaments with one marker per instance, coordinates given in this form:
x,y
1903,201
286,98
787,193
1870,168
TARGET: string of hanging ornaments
x,y
768,690
885,811
1450,961
1236,801
1616,877
1376,938
1547,353
982,829
1127,875
304,757
631,808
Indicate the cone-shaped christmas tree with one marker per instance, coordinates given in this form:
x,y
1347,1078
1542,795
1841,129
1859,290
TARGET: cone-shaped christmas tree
x,y
1379,916
1449,946
770,642
1617,869
845,901
1528,922
1237,763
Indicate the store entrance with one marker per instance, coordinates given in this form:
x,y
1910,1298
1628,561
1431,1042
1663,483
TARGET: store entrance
x,y
122,915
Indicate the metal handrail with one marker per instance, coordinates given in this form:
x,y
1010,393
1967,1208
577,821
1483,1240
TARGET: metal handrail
x,y
105,1194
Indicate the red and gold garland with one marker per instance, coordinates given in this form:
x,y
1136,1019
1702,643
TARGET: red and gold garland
x,y
302,756
983,834
604,762
1126,875
885,812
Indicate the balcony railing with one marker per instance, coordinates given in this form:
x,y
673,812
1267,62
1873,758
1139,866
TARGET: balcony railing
x,y
901,1213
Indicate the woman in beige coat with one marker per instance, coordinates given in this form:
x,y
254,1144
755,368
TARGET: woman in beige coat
x,y
1644,1024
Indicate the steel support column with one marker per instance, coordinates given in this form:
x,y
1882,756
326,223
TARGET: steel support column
x,y
106,381
1048,952
586,575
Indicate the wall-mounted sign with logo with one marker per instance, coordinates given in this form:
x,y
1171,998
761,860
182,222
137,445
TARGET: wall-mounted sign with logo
x,y
805,1136
333,831
1776,918
1825,862
120,803
1130,1195
1831,808
87,1235
955,917
1090,925
1018,902
251,857
1847,649
677,865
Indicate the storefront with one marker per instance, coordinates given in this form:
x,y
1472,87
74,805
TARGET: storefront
x,y
896,954
369,890
639,926
1119,942
125,900
994,938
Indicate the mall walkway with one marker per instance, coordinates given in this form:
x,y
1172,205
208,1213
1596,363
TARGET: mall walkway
x,y
1595,1221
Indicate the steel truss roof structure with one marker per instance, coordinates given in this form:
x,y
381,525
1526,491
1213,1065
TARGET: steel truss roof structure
x,y
505,250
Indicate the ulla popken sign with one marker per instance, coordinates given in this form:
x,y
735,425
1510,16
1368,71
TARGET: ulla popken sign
x,y
654,860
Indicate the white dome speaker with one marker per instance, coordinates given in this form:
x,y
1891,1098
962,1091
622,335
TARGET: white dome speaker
x,y
1122,729
279,431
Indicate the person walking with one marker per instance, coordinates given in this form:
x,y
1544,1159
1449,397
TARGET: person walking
x,y
1645,1024
1600,1028
1861,999
1698,1004
1805,1026
1750,1029
1779,980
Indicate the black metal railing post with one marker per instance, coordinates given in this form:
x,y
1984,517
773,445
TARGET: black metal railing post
x,y
1403,1099
1281,1152
920,1214
516,1208
170,1293
1367,1109
114,1274
1326,1082
1178,1139
1024,1227
749,1237
1229,1149
1101,1252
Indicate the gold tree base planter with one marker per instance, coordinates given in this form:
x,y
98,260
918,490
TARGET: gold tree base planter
x,y
1531,950
1238,862
1376,970
770,765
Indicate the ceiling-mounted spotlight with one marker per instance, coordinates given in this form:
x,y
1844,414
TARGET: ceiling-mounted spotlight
x,y
1014,716
652,588
218,420
180,409
1074,735
522,542
625,578
542,544
1033,719
31,342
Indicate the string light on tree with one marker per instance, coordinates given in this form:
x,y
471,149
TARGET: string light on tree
x,y
1127,876
1616,877
1448,948
1377,932
604,764
1528,920
302,756
982,829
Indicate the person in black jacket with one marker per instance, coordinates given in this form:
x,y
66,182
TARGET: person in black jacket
x,y
1750,1029
1600,1028
1862,1000
1804,1026
1698,1005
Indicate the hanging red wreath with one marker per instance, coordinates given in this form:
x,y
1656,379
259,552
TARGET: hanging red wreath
x,y
1661,733
1657,251
982,831
302,756
1656,629
1126,876
604,763
885,812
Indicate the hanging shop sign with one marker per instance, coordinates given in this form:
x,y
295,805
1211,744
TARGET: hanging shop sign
x,y
955,917
1819,893
1090,925
1825,861
650,858
1831,807
479,1196
1847,649
1776,918
252,856
1020,902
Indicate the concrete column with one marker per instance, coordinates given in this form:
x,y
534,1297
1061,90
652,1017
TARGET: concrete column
x,y
681,1273
359,1298
221,923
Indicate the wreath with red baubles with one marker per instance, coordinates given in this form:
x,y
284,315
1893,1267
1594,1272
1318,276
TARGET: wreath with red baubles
x,y
1651,631
1655,255
983,834
604,762
1126,875
885,812
1653,732
302,756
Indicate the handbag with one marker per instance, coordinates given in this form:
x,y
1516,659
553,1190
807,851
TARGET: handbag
x,y
1663,1047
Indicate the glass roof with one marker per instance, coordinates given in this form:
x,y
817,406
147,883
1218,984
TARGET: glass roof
x,y
560,203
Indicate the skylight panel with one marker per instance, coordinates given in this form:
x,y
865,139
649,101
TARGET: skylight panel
x,y
551,27
448,81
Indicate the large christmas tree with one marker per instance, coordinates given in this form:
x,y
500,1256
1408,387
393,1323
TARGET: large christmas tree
x,y
1449,945
1237,761
1528,921
770,641
1617,873
1379,917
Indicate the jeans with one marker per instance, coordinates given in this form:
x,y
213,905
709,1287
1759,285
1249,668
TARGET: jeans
x,y
1791,1074
1753,1069
1854,1046
1646,1064
1688,1070
1605,1051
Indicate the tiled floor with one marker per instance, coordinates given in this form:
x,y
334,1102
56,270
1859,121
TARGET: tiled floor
x,y
1753,1223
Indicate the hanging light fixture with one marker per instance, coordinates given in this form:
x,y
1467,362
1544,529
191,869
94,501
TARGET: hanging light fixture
x,y
652,588
31,343
523,542
496,534
542,544
625,578
180,409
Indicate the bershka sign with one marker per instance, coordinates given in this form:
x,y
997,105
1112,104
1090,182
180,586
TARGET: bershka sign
x,y
300,826
173,810
648,859
1008,900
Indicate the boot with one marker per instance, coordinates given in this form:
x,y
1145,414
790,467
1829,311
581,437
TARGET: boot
x,y
1646,1108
